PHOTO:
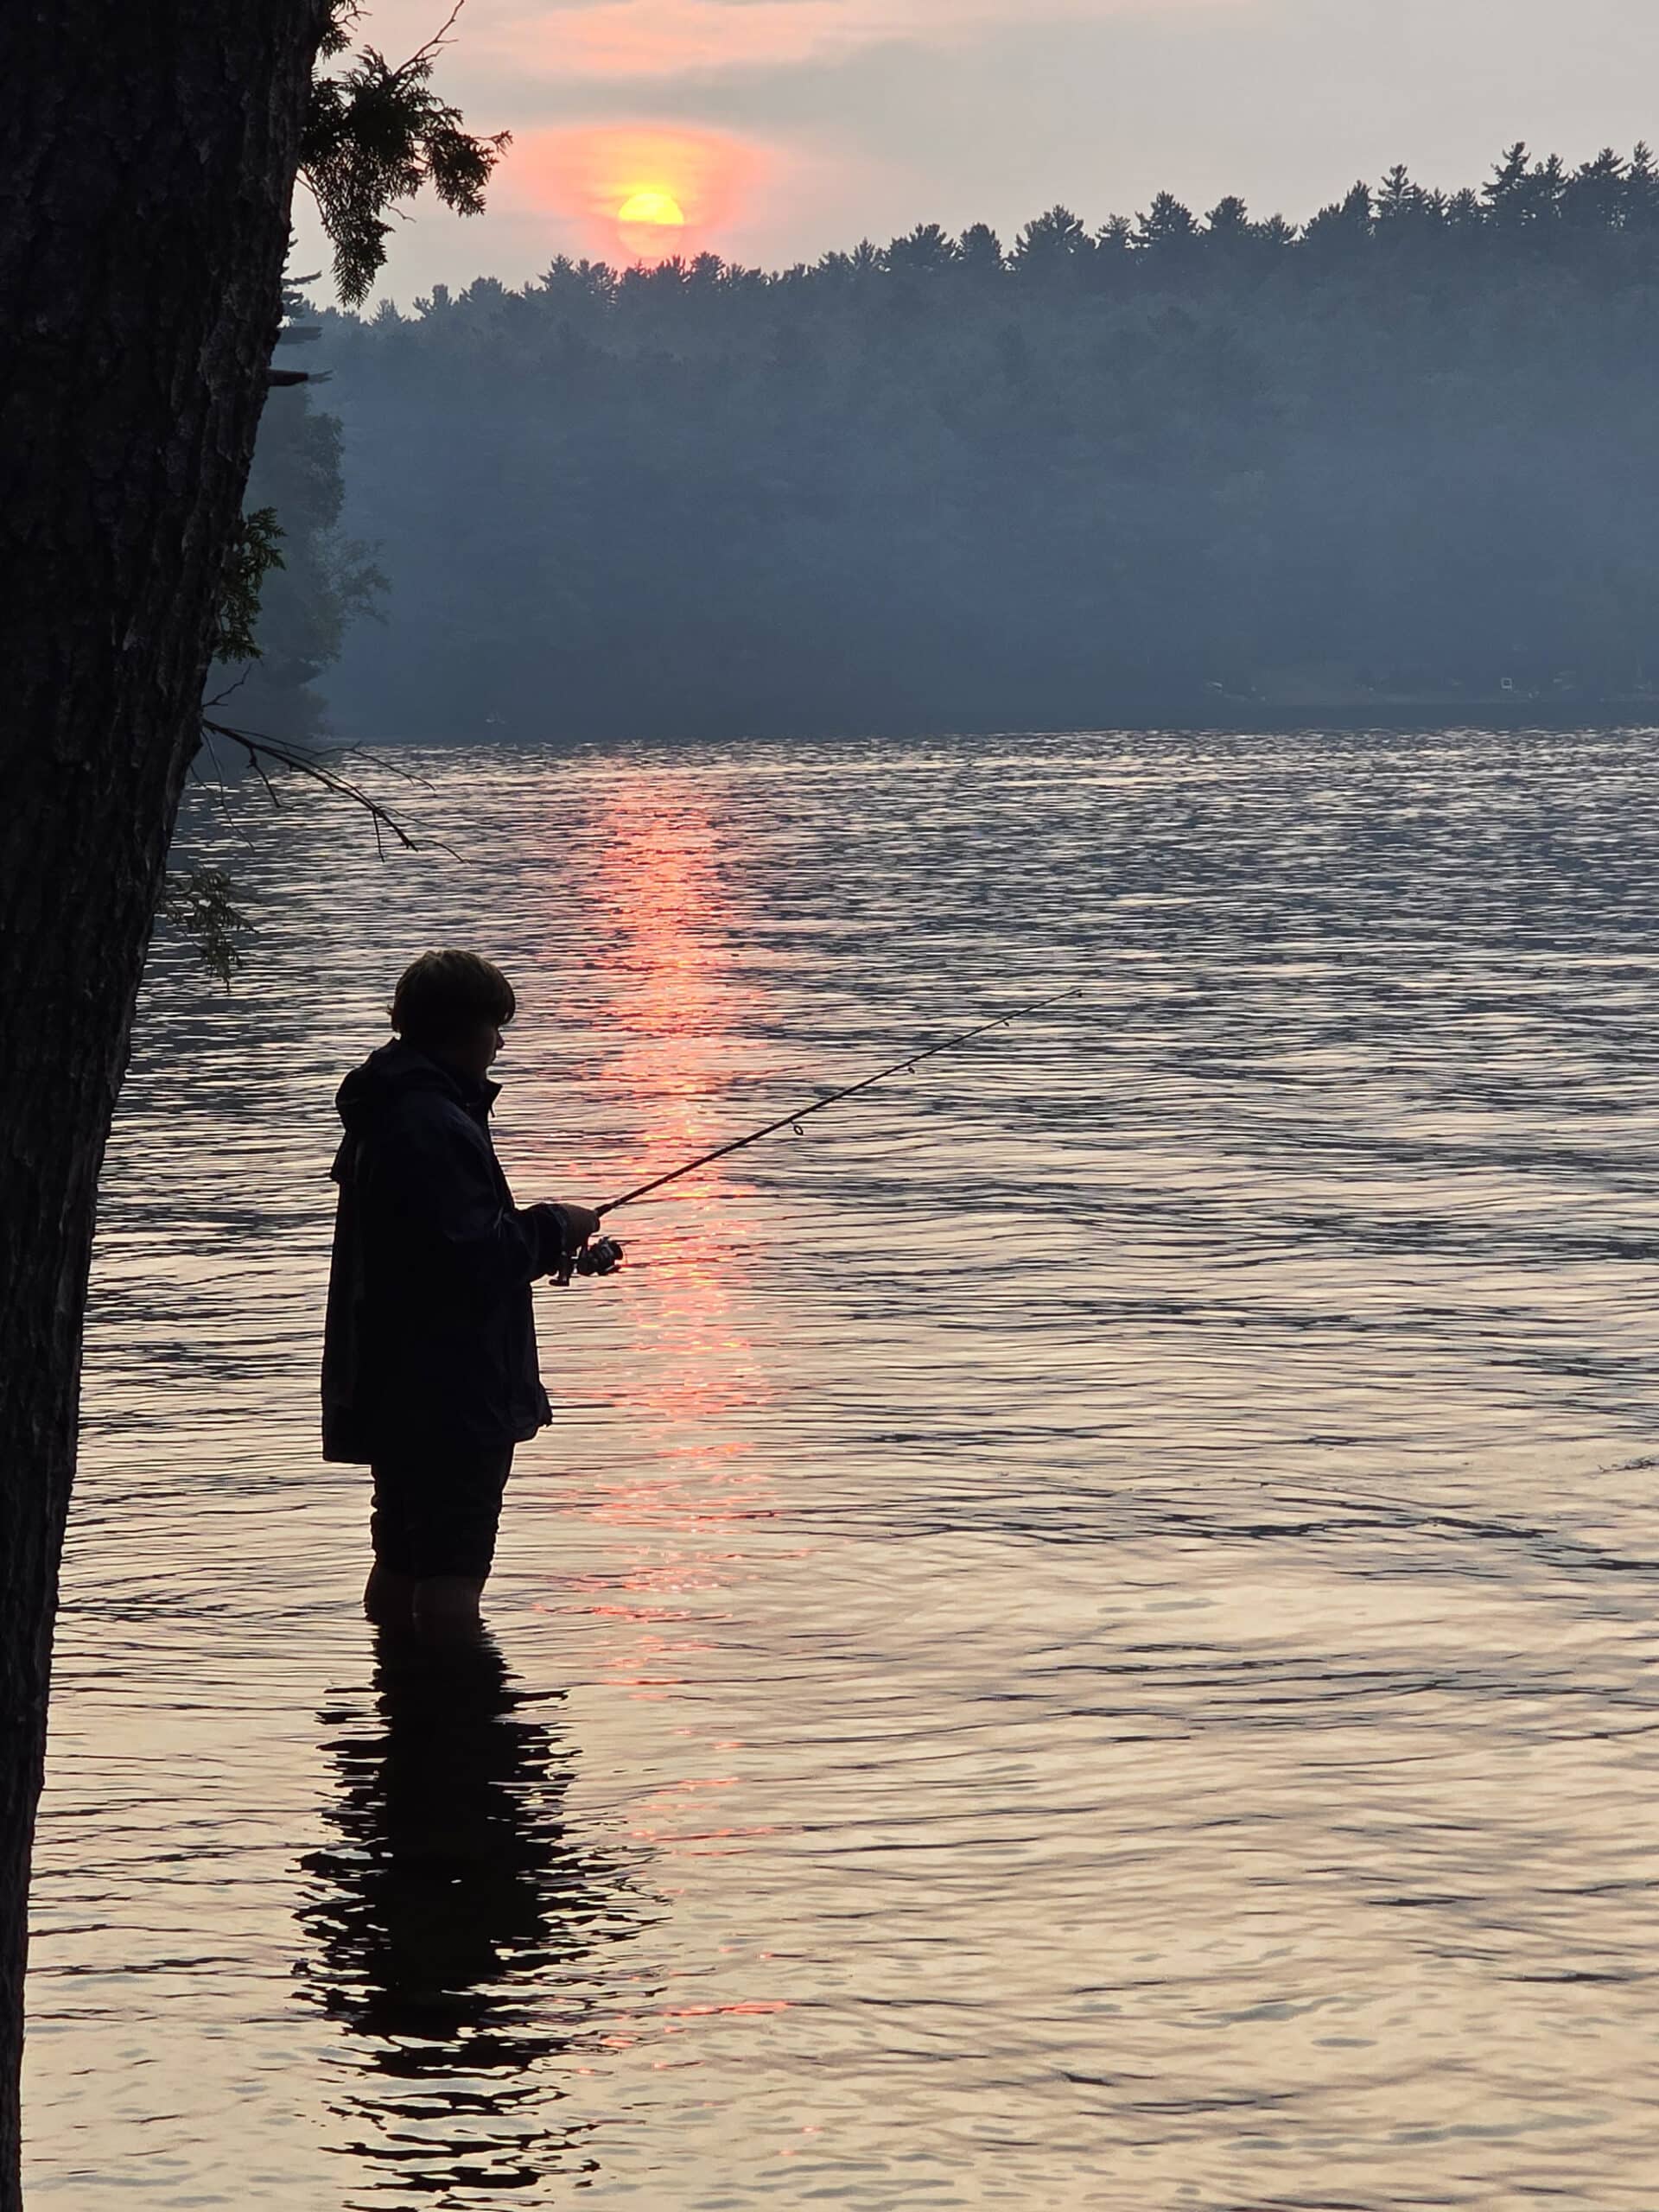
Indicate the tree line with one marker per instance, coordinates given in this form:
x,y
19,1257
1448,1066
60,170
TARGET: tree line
x,y
1409,449
307,582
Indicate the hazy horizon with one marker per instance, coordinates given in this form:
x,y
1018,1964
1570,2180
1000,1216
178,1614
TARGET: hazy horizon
x,y
788,127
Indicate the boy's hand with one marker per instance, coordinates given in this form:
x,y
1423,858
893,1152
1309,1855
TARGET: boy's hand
x,y
566,1231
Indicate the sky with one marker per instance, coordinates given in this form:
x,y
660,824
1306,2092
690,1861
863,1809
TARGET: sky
x,y
771,130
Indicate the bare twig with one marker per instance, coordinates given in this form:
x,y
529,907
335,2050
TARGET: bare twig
x,y
220,697
439,38
224,796
304,761
259,767
390,768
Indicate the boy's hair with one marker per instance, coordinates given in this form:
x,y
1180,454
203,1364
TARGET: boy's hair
x,y
444,993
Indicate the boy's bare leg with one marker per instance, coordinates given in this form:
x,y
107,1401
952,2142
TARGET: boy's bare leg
x,y
388,1597
447,1605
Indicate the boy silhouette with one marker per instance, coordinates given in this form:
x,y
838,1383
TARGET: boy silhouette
x,y
429,1371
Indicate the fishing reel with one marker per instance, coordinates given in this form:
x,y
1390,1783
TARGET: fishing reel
x,y
600,1256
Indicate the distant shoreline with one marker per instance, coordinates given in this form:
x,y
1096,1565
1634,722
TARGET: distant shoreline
x,y
1500,710
1233,716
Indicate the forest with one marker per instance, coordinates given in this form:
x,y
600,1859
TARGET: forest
x,y
1176,465
294,599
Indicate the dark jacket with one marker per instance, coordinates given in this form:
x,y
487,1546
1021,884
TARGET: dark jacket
x,y
430,1341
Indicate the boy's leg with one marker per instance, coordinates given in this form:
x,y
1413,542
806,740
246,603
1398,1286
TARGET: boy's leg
x,y
389,1594
389,1597
447,1605
435,1522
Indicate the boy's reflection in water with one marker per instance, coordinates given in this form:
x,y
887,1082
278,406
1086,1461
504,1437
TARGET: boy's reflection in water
x,y
454,1921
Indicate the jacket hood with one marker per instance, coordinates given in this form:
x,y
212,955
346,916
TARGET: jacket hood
x,y
392,1074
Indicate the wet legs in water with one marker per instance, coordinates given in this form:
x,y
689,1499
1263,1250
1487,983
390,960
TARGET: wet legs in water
x,y
440,1604
434,1528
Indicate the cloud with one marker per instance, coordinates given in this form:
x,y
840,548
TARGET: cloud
x,y
612,39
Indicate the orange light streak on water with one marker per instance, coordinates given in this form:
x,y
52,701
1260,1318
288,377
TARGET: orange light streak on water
x,y
679,1009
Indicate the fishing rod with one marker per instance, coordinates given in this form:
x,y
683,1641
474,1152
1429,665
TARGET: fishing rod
x,y
603,1247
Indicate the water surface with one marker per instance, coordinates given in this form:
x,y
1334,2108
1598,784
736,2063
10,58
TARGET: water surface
x,y
1084,1637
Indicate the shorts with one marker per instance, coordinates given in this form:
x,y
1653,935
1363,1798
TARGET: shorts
x,y
435,1512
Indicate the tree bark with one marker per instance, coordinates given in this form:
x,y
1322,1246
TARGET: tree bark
x,y
150,154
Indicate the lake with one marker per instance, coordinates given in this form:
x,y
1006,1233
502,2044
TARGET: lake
x,y
1086,1633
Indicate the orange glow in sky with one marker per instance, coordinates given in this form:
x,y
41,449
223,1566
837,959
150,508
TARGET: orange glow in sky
x,y
641,192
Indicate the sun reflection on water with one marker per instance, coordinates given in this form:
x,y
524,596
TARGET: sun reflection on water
x,y
683,1009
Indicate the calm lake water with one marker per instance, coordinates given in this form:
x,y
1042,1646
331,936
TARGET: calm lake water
x,y
1085,1634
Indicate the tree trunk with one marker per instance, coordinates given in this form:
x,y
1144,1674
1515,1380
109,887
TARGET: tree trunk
x,y
150,154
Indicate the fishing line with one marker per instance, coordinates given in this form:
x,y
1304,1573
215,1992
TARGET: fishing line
x,y
793,1121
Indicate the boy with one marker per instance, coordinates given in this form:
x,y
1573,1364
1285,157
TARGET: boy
x,y
429,1371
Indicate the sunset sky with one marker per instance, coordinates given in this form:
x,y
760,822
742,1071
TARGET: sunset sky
x,y
776,128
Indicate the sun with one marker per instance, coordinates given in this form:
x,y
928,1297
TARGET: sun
x,y
652,209
643,195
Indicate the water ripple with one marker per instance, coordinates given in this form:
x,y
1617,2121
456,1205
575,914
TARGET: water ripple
x,y
1084,1637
